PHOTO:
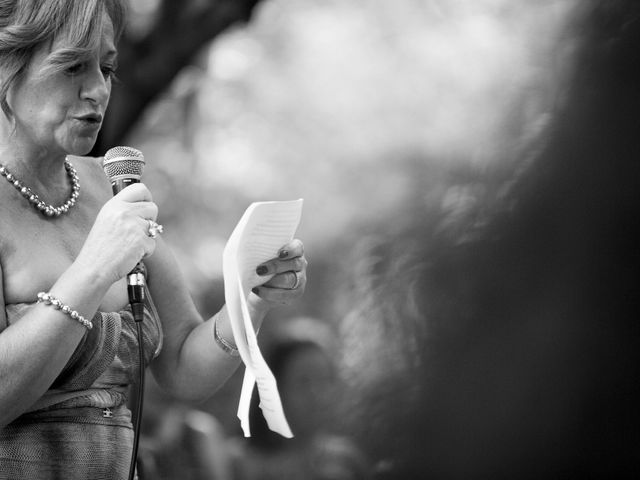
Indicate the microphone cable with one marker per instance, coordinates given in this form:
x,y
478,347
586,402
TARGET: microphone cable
x,y
137,290
123,166
138,406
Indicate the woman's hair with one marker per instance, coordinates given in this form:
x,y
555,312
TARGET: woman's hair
x,y
25,25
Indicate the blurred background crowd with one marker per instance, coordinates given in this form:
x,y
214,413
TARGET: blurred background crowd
x,y
470,176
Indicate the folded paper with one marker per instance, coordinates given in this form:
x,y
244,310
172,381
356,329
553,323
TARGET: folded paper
x,y
263,229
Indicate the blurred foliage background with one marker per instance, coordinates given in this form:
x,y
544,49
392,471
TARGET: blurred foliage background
x,y
451,159
365,110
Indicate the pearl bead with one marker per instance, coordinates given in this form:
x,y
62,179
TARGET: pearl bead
x,y
46,209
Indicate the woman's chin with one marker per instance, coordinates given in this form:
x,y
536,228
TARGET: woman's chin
x,y
81,146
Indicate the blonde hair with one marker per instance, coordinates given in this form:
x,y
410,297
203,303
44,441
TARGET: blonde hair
x,y
25,25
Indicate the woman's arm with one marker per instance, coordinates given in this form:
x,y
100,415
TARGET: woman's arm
x,y
184,366
191,364
35,349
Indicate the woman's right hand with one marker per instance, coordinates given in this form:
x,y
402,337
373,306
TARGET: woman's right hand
x,y
119,238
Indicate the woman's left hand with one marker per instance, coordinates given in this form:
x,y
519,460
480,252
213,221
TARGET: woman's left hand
x,y
286,275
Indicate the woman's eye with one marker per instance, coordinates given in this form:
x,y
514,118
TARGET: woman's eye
x,y
74,69
108,71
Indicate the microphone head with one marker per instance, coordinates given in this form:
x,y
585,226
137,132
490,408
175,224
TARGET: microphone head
x,y
123,163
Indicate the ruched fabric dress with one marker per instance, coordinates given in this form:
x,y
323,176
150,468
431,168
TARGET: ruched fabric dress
x,y
81,428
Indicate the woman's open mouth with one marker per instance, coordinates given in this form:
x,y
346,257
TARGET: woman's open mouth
x,y
92,121
91,118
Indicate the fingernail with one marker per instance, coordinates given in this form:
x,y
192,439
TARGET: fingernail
x,y
283,254
262,270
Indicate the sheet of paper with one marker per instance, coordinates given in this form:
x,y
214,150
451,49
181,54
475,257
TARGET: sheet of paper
x,y
262,230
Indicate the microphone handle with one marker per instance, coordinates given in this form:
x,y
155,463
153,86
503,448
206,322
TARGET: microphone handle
x,y
135,289
135,278
119,184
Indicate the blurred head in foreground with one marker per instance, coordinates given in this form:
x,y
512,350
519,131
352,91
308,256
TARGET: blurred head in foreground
x,y
514,353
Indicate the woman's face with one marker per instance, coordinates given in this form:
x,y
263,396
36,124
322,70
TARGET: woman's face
x,y
62,112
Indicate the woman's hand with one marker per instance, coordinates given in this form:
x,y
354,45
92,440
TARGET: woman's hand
x,y
119,238
285,276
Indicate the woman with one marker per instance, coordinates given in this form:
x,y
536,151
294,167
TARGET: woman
x,y
67,359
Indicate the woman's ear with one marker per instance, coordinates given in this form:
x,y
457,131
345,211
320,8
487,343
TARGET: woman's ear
x,y
6,114
7,120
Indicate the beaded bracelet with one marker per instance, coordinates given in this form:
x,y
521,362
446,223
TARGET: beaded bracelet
x,y
225,345
49,299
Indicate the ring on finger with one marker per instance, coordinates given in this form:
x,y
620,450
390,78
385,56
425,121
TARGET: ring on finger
x,y
154,228
296,284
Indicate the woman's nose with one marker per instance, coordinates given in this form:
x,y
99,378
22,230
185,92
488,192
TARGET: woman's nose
x,y
95,87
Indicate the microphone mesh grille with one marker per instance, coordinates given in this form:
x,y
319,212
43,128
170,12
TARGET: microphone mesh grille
x,y
123,162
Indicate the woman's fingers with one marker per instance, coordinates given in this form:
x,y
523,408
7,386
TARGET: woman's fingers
x,y
283,287
286,280
276,266
278,295
286,275
294,248
137,200
136,192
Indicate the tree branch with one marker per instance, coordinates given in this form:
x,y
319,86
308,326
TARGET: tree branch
x,y
149,65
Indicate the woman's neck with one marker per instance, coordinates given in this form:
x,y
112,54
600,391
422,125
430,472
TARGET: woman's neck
x,y
31,164
24,157
45,176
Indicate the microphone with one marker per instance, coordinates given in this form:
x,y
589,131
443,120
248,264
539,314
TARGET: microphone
x,y
123,166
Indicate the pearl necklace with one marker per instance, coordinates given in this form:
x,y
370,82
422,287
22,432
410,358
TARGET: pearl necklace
x,y
34,199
